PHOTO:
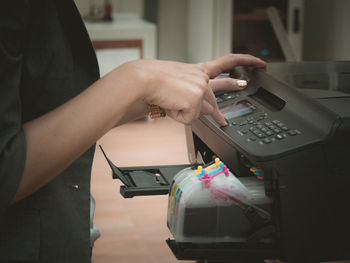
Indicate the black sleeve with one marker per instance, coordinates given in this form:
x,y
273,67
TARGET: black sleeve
x,y
13,21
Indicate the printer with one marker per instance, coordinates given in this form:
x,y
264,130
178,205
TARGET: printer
x,y
292,124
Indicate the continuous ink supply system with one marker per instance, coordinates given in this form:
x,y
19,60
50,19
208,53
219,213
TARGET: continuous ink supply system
x,y
205,202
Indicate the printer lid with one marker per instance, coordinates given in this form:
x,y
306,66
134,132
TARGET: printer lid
x,y
336,101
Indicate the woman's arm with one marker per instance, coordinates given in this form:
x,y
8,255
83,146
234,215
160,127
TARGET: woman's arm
x,y
59,137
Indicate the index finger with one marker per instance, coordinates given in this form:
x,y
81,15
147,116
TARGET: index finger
x,y
228,62
216,114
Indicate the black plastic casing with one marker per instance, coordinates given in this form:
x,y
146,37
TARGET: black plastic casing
x,y
306,174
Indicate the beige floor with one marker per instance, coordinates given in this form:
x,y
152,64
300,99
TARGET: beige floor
x,y
134,230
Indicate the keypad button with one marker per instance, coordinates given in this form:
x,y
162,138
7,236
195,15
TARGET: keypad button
x,y
277,130
285,128
251,139
279,136
269,133
266,140
268,123
228,96
260,135
242,132
275,121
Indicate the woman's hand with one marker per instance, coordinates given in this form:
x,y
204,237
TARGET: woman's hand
x,y
185,90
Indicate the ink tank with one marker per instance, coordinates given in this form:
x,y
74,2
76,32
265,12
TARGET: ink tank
x,y
209,204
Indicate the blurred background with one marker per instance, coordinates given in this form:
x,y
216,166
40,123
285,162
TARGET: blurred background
x,y
194,31
199,30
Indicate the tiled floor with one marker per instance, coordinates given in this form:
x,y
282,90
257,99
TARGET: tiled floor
x,y
134,230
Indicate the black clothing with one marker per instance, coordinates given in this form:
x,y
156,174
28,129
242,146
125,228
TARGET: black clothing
x,y
46,58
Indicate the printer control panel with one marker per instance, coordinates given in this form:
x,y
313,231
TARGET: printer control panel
x,y
266,120
252,123
258,125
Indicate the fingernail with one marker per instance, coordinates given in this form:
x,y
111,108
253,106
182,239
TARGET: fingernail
x,y
241,83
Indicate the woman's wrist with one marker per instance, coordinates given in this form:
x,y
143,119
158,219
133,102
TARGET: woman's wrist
x,y
128,84
145,79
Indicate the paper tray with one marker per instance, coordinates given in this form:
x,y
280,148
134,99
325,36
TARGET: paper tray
x,y
144,180
148,180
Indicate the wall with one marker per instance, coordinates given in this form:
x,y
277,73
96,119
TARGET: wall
x,y
172,20
200,30
194,30
326,30
129,6
209,32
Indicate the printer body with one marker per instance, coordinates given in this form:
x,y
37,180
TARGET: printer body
x,y
299,139
301,142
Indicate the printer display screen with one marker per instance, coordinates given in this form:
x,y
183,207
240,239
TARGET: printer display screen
x,y
239,109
